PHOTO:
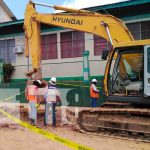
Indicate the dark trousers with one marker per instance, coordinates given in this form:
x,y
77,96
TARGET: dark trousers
x,y
94,102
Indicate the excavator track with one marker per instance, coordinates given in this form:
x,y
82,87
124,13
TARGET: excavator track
x,y
124,121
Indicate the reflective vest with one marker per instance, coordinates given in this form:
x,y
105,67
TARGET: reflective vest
x,y
51,94
32,92
93,93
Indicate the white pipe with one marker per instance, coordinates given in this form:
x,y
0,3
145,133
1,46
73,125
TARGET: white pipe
x,y
107,30
42,4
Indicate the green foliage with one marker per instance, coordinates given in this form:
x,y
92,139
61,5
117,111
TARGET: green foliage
x,y
8,70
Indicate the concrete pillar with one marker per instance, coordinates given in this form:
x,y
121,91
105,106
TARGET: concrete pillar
x,y
86,69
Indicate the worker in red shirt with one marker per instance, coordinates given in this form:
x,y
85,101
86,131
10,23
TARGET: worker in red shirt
x,y
94,92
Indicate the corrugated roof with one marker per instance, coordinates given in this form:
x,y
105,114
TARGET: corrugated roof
x,y
11,23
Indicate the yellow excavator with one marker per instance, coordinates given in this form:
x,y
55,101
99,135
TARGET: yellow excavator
x,y
127,72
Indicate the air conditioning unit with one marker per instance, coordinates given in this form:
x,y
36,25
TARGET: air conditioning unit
x,y
18,50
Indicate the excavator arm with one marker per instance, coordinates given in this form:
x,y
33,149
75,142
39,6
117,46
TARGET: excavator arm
x,y
106,26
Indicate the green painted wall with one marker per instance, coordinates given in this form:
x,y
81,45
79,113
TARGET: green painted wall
x,y
77,91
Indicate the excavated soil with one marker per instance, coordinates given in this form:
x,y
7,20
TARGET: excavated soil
x,y
13,136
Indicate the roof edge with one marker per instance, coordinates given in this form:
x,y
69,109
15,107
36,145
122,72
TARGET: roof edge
x,y
118,4
8,10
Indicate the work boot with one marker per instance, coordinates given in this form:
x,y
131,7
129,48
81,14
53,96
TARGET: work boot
x,y
54,125
45,125
32,122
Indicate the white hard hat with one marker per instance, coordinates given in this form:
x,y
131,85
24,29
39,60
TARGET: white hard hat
x,y
52,81
94,80
39,81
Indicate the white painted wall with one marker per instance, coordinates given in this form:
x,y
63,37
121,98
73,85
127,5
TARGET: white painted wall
x,y
4,17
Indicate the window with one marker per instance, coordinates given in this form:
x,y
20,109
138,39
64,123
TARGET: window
x,y
148,60
140,30
135,29
129,67
72,44
6,51
49,46
100,44
145,29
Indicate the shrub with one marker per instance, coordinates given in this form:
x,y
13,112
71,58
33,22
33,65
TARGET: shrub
x,y
8,70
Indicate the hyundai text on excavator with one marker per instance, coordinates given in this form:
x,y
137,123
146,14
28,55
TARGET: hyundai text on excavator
x,y
127,73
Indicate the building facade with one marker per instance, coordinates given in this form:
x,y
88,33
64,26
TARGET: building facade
x,y
62,49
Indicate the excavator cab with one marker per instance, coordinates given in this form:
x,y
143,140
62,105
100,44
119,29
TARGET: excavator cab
x,y
129,74
126,77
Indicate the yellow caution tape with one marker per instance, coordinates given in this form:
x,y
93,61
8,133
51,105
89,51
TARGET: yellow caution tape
x,y
76,85
47,134
10,97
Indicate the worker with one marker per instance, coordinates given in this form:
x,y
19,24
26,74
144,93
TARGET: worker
x,y
50,96
32,97
94,92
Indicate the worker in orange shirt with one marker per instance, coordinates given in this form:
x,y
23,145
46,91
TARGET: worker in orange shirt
x,y
94,92
32,97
